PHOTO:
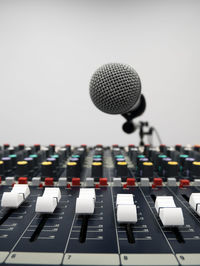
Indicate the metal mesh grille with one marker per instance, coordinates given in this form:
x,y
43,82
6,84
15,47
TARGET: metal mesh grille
x,y
115,88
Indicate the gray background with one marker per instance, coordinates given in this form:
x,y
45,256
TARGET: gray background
x,y
49,50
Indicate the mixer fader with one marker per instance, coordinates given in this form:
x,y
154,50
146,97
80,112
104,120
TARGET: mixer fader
x,y
63,205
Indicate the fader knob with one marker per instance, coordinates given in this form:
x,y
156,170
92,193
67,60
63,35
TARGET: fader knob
x,y
172,169
22,168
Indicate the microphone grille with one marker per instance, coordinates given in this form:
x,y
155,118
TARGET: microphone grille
x,y
115,88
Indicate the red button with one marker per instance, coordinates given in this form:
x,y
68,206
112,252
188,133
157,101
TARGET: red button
x,y
130,181
23,180
48,181
0,179
184,183
131,145
103,181
157,182
75,181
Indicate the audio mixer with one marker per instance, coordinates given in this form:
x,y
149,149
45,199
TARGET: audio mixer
x,y
63,205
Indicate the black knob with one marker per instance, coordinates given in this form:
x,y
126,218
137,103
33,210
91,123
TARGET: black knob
x,y
72,170
122,169
22,168
196,169
97,169
47,169
172,169
147,169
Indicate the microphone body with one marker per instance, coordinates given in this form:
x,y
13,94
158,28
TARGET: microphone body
x,y
116,89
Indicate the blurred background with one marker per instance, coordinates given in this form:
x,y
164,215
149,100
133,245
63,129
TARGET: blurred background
x,y
50,49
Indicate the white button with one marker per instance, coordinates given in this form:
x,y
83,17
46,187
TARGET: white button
x,y
62,182
49,200
117,181
197,182
144,182
171,216
36,181
171,181
89,182
15,198
124,199
10,180
126,213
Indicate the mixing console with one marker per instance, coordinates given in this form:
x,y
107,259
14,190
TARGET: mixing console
x,y
99,205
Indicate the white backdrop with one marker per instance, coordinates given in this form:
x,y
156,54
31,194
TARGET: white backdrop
x,y
50,49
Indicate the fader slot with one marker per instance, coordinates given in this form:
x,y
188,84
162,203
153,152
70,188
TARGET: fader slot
x,y
39,228
84,226
6,215
129,233
178,234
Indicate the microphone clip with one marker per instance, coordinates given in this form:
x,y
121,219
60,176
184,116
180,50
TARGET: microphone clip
x,y
129,127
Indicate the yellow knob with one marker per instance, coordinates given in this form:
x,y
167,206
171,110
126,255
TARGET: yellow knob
x,y
1,162
97,163
71,163
22,162
196,163
173,163
122,163
148,163
46,163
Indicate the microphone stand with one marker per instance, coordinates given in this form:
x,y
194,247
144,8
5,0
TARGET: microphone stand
x,y
129,127
142,133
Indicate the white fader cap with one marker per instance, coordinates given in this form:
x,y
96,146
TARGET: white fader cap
x,y
194,202
126,209
85,203
169,214
49,200
16,196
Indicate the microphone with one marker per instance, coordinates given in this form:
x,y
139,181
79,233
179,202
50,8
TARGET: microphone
x,y
116,89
